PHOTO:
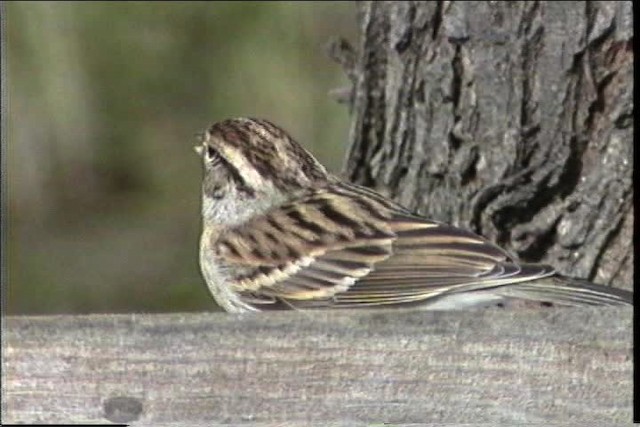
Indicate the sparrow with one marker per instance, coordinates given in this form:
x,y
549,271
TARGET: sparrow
x,y
280,232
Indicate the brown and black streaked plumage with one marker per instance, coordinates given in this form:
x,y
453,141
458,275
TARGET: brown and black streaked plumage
x,y
280,232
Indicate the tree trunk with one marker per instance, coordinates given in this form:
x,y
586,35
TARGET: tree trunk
x,y
512,119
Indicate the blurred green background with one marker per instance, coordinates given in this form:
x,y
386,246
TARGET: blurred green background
x,y
104,101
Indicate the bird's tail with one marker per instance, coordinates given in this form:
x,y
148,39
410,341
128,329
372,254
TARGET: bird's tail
x,y
566,291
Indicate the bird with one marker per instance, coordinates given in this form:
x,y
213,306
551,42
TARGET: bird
x,y
280,232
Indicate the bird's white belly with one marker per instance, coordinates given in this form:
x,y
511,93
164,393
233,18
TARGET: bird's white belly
x,y
217,280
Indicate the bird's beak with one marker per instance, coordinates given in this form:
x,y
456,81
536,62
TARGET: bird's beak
x,y
202,137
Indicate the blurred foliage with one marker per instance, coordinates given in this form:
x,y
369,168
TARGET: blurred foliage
x,y
104,102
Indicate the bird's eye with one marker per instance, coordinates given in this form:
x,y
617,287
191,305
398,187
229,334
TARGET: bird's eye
x,y
212,155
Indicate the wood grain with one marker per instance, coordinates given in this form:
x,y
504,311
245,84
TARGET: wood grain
x,y
558,365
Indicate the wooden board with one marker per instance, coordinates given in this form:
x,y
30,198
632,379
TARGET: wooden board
x,y
557,365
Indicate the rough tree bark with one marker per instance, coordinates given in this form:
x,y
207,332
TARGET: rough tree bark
x,y
513,119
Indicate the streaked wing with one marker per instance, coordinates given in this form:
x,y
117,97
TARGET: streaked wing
x,y
346,246
430,260
311,249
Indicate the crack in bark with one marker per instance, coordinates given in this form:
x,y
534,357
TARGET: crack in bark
x,y
528,124
436,22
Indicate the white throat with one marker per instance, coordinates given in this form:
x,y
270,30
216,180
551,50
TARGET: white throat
x,y
233,209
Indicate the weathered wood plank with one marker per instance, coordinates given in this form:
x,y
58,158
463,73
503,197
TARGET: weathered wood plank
x,y
560,365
